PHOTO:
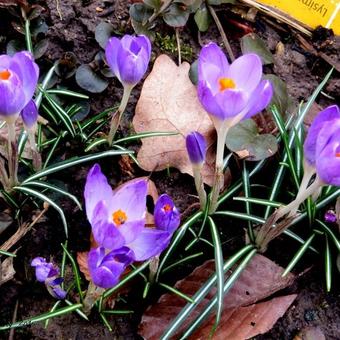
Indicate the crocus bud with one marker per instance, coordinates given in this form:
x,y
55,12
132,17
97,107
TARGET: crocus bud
x,y
166,215
29,115
128,58
196,147
18,80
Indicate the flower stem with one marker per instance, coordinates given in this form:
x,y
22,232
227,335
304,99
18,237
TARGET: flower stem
x,y
92,295
117,116
12,155
36,157
199,185
222,131
270,230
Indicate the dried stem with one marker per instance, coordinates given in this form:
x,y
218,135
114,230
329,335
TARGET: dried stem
x,y
12,155
178,46
223,35
199,185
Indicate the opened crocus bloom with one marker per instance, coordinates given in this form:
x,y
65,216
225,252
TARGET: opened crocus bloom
x,y
118,217
226,91
128,58
322,145
18,80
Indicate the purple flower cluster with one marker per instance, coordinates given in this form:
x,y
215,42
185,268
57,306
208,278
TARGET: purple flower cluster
x,y
118,226
322,145
18,79
48,273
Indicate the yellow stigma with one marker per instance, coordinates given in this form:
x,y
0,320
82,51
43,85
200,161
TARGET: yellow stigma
x,y
5,74
119,217
226,83
167,207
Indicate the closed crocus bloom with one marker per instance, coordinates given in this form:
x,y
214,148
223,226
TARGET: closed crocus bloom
x,y
196,147
118,217
18,80
29,115
128,58
166,215
106,268
228,90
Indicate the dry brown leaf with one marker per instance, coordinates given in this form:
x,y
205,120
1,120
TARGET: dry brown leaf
x,y
169,103
259,280
7,271
83,266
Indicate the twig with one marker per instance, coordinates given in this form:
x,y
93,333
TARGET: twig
x,y
223,35
178,46
58,9
14,318
23,229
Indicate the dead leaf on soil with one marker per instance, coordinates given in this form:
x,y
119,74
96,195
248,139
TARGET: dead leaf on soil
x,y
168,102
259,280
7,271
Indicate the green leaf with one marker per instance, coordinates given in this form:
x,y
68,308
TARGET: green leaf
x,y
40,48
219,2
244,137
140,13
202,18
252,43
15,46
103,33
155,4
88,80
175,16
280,96
193,72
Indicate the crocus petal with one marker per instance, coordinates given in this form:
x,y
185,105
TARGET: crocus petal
x,y
212,54
43,269
166,215
246,72
259,99
111,50
96,189
59,293
196,147
131,199
104,231
12,99
131,67
29,114
208,101
149,243
23,65
328,114
328,163
232,102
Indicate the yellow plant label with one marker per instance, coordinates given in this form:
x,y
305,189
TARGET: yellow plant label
x,y
310,12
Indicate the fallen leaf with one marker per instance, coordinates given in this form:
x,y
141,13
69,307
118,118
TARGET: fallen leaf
x,y
259,280
169,102
83,266
7,271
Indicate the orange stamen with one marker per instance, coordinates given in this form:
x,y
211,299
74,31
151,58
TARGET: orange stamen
x,y
167,207
226,84
119,217
5,74
337,155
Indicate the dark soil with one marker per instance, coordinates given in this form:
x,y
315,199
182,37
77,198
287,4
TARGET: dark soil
x,y
301,70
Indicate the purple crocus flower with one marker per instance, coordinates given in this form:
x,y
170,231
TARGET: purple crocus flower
x,y
18,80
29,115
118,217
322,145
48,273
196,147
128,58
166,215
106,268
330,216
226,91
